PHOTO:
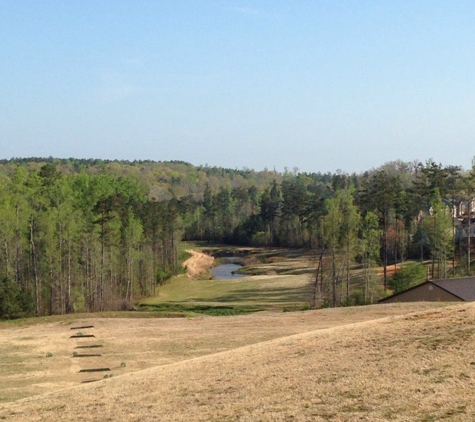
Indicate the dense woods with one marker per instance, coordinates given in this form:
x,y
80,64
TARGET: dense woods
x,y
89,235
80,242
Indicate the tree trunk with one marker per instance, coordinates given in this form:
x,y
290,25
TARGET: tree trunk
x,y
317,287
385,251
469,243
35,270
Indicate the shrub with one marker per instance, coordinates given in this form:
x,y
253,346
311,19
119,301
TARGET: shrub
x,y
15,301
410,275
163,275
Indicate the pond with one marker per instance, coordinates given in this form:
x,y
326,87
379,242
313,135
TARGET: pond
x,y
225,270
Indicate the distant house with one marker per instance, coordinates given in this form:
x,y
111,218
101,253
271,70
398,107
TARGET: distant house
x,y
460,210
465,226
445,290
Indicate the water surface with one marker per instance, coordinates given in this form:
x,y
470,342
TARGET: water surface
x,y
224,271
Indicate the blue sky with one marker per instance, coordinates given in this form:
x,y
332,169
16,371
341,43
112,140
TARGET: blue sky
x,y
318,85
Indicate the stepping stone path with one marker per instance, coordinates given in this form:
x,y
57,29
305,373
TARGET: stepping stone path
x,y
95,370
89,346
81,335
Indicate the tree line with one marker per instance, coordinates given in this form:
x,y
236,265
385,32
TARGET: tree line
x,y
381,217
80,242
87,235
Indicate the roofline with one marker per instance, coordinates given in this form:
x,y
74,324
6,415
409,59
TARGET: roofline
x,y
453,294
419,285
404,291
448,291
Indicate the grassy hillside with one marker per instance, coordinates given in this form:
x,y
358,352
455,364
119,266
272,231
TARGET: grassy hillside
x,y
367,363
225,297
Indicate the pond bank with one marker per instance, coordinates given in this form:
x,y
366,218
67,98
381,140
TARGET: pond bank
x,y
197,263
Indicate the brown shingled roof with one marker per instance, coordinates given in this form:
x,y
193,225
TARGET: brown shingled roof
x,y
463,288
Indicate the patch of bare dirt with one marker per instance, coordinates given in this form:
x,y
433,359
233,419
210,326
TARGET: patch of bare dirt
x,y
197,263
390,270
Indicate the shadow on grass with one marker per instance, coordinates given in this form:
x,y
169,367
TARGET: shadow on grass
x,y
243,302
191,308
279,295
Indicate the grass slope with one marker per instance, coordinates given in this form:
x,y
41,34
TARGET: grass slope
x,y
239,295
407,367
25,369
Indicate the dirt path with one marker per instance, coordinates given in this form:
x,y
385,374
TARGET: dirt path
x,y
197,263
390,269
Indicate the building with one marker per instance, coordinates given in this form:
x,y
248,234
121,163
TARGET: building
x,y
445,290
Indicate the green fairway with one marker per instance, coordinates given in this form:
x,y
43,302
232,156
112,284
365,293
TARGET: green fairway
x,y
242,295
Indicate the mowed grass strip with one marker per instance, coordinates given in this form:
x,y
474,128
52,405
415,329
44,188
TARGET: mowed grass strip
x,y
389,369
246,294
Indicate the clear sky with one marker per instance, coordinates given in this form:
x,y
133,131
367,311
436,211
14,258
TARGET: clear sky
x,y
319,85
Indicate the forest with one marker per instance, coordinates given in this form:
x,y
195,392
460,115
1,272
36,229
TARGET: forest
x,y
93,235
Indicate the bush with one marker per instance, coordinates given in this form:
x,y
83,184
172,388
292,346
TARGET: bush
x,y
410,275
15,301
356,299
163,275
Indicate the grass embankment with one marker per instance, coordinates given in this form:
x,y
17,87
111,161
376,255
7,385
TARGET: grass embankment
x,y
231,297
280,279
372,363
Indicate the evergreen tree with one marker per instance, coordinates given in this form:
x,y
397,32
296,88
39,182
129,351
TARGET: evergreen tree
x,y
438,228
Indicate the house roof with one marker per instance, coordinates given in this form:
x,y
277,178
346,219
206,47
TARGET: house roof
x,y
462,288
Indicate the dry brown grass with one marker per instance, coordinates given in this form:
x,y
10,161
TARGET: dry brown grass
x,y
369,363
